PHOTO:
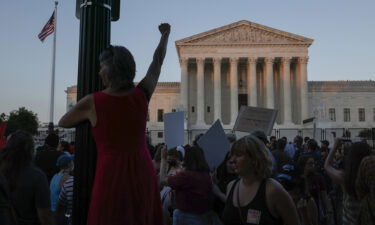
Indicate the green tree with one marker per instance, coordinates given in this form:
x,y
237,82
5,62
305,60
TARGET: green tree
x,y
22,119
3,117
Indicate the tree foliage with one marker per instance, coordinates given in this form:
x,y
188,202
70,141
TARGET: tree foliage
x,y
22,119
3,117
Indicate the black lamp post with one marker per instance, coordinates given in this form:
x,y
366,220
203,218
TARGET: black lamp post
x,y
95,21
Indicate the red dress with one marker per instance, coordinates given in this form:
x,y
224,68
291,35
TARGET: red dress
x,y
126,189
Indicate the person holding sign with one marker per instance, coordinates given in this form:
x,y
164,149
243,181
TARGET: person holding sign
x,y
126,189
255,198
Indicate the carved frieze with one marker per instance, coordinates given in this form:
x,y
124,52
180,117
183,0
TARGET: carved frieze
x,y
245,34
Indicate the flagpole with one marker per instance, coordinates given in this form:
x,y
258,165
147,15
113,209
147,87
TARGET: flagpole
x,y
52,97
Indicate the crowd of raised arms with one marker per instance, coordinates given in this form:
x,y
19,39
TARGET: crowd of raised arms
x,y
261,180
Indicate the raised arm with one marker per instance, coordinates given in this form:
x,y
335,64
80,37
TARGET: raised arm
x,y
149,82
336,175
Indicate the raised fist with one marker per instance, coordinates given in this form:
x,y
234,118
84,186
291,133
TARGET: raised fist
x,y
164,28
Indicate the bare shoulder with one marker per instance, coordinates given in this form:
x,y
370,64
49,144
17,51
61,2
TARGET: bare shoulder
x,y
274,188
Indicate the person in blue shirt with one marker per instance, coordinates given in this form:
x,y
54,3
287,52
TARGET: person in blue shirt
x,y
66,165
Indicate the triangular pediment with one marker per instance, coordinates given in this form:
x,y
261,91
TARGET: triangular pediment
x,y
245,33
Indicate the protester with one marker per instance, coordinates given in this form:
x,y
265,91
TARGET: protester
x,y
192,188
46,158
223,175
272,145
65,203
296,187
346,179
255,198
66,165
28,186
126,188
315,186
280,156
171,163
295,149
365,187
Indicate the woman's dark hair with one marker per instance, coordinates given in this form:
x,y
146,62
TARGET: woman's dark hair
x,y
301,163
357,152
174,153
280,144
194,160
16,156
121,66
222,175
52,140
221,171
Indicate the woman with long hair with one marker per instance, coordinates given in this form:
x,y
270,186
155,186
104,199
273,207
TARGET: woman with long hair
x,y
255,198
296,187
192,188
315,185
346,178
126,189
28,185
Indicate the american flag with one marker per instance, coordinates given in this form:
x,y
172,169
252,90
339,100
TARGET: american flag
x,y
48,29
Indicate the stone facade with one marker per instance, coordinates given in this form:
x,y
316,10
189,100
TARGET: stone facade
x,y
245,63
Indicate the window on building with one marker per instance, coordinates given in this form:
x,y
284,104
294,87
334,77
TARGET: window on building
x,y
332,114
361,115
173,110
192,109
208,109
160,134
160,115
346,115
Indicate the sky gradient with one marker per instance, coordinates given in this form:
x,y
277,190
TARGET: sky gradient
x,y
343,33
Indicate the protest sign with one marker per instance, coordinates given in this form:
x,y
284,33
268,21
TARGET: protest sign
x,y
174,129
250,119
214,144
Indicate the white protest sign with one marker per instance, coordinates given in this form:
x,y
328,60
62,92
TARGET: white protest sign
x,y
214,144
254,118
174,129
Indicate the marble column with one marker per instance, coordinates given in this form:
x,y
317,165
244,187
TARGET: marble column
x,y
304,92
269,83
287,90
217,88
252,82
233,89
200,91
184,84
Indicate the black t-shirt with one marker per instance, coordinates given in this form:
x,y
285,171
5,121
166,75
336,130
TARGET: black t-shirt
x,y
46,160
31,192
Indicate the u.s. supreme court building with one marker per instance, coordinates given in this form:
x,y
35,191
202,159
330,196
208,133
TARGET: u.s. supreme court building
x,y
245,63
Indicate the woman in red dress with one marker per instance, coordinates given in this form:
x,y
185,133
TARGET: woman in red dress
x,y
125,189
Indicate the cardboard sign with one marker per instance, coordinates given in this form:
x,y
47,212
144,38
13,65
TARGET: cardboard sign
x,y
174,129
214,144
254,118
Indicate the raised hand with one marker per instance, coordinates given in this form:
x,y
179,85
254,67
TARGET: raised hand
x,y
165,28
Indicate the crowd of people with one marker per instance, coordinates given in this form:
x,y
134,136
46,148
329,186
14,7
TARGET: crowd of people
x,y
269,181
261,180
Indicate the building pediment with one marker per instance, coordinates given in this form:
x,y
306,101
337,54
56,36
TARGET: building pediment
x,y
244,33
